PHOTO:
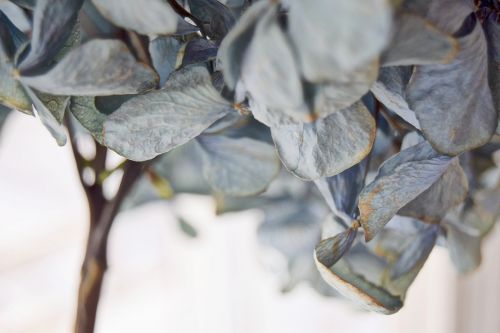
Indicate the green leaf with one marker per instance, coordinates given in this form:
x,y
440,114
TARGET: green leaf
x,y
238,166
85,111
154,123
329,145
146,17
400,180
98,67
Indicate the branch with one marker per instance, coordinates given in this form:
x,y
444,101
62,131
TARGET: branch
x,y
95,262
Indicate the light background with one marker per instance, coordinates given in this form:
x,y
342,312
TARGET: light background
x,y
162,281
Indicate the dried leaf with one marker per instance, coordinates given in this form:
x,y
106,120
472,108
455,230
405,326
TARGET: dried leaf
x,y
154,17
154,123
329,145
400,179
98,67
53,22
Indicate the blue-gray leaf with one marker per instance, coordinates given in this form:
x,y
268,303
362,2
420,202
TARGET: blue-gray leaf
x,y
96,68
238,166
154,123
154,17
53,22
400,179
327,146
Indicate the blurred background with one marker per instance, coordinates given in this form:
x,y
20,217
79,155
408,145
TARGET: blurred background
x,y
161,280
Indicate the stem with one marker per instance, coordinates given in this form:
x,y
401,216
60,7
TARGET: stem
x,y
102,215
95,262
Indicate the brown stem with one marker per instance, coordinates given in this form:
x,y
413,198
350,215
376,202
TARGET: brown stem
x,y
95,262
102,215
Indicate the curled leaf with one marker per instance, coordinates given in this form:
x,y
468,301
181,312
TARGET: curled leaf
x,y
400,179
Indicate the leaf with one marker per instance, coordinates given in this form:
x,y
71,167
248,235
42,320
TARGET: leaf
x,y
470,118
390,89
416,252
417,41
11,37
55,104
164,52
154,123
492,33
356,287
234,46
292,227
329,145
332,36
330,250
98,67
238,166
447,192
85,111
198,51
12,93
344,90
400,179
268,60
57,130
464,248
53,21
28,4
4,113
187,228
147,17
217,19
341,191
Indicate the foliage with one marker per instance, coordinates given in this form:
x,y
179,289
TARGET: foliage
x,y
386,112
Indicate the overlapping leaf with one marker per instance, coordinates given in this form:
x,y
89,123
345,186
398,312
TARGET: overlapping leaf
x,y
98,67
390,89
238,166
217,19
154,123
400,180
341,191
329,145
235,44
268,61
338,35
456,94
164,52
447,192
53,22
144,16
417,41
